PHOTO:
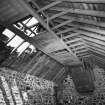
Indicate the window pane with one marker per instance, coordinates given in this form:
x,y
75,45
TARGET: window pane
x,y
32,22
23,47
15,42
8,33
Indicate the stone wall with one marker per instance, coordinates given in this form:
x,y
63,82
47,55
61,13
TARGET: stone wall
x,y
70,95
23,89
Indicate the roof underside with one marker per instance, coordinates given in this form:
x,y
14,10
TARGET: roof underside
x,y
73,29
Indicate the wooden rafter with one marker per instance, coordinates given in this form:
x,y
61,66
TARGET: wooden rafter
x,y
74,40
63,23
93,39
85,1
64,11
93,30
95,50
66,30
92,35
50,5
98,48
76,44
95,43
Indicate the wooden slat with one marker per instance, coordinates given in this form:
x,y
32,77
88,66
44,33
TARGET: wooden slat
x,y
84,55
95,43
70,36
86,21
76,44
64,23
94,30
74,40
66,30
85,1
81,47
93,39
95,47
81,51
49,6
76,11
92,35
95,50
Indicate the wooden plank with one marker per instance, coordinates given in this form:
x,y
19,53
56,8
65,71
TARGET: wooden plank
x,y
94,30
93,40
63,23
74,40
66,30
49,6
92,35
64,11
81,51
76,44
84,56
86,21
81,47
95,45
70,36
85,1
95,50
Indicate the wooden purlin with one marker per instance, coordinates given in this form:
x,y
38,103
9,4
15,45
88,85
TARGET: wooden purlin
x,y
82,20
63,11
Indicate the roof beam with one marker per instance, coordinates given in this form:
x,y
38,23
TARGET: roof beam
x,y
74,40
96,33
49,6
86,21
76,44
71,35
95,45
81,47
95,50
81,51
63,23
92,35
64,11
66,30
94,42
84,55
93,30
88,37
85,1
98,49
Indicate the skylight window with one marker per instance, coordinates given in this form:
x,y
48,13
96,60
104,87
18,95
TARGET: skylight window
x,y
33,21
23,47
15,42
8,33
33,48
